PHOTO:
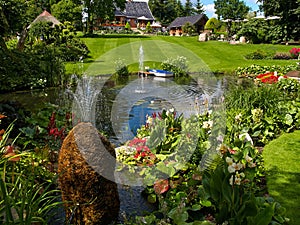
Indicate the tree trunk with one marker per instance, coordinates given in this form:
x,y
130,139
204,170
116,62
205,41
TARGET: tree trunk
x,y
21,41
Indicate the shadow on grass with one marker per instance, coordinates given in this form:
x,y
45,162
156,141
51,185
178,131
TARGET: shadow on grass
x,y
285,188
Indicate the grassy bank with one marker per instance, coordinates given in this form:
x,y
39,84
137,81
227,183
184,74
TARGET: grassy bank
x,y
215,55
283,177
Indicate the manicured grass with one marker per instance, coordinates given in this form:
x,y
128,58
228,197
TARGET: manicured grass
x,y
217,56
282,157
222,56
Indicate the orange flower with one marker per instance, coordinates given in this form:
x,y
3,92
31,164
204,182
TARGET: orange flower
x,y
10,153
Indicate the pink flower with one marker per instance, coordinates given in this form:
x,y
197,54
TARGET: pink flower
x,y
295,52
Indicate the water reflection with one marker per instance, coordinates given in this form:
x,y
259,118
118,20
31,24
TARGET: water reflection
x,y
121,109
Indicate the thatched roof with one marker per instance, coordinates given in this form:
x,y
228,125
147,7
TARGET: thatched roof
x,y
45,16
180,21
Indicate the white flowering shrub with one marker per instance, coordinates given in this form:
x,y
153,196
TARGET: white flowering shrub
x,y
176,65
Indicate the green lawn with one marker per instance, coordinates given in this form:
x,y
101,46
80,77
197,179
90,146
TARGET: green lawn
x,y
282,163
213,55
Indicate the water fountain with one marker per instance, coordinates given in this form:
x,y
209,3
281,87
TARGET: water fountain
x,y
86,165
84,100
141,70
141,59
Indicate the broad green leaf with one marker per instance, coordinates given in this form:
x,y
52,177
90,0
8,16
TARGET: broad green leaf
x,y
196,207
205,203
167,169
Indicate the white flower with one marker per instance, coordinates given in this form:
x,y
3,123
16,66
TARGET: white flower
x,y
207,124
231,168
229,160
248,158
237,181
237,178
238,117
234,167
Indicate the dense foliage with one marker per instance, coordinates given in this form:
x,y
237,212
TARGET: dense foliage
x,y
289,12
67,10
28,189
262,31
28,70
40,64
231,9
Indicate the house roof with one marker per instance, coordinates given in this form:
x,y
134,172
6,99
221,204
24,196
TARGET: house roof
x,y
135,9
118,12
45,16
180,21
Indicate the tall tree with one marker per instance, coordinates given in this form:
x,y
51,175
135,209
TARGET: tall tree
x,y
231,9
289,11
199,7
179,9
188,8
68,10
164,11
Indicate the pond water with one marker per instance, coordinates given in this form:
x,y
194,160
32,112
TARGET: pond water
x,y
121,108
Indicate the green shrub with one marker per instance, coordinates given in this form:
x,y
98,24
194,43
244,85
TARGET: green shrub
x,y
258,54
121,68
29,70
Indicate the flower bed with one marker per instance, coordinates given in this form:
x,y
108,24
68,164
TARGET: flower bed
x,y
228,191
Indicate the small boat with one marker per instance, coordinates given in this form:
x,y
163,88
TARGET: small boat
x,y
160,73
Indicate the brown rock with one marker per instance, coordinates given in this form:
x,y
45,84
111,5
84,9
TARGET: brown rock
x,y
86,166
293,73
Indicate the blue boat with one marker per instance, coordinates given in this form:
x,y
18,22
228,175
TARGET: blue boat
x,y
160,73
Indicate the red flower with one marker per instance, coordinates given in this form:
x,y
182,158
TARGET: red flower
x,y
136,155
268,78
154,115
161,186
295,52
137,142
